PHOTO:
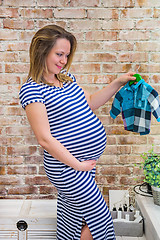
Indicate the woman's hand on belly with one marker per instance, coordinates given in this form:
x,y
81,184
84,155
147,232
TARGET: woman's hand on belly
x,y
87,165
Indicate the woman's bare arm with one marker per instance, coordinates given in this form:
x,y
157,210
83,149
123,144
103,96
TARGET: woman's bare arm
x,y
100,97
37,116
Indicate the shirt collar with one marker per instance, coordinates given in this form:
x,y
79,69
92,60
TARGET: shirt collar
x,y
134,86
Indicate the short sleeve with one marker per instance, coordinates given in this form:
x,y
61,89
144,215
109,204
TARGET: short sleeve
x,y
30,93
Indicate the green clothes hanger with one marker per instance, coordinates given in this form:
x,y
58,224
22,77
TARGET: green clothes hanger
x,y
138,78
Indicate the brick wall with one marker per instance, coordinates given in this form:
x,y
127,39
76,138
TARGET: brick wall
x,y
114,36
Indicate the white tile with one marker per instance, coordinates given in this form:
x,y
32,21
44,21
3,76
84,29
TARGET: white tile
x,y
118,238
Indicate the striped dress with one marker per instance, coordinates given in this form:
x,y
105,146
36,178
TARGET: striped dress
x,y
73,123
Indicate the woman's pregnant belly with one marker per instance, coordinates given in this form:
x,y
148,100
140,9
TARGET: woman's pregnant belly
x,y
85,140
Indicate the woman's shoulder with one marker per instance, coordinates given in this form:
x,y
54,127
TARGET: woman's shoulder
x,y
30,92
30,83
31,86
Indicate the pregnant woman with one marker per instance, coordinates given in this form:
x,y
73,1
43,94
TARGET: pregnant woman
x,y
60,113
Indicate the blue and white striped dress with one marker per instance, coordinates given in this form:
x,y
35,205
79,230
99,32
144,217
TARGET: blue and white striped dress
x,y
73,123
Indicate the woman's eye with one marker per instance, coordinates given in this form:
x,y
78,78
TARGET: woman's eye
x,y
59,54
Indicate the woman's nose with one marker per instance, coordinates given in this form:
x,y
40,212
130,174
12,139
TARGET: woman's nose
x,y
64,60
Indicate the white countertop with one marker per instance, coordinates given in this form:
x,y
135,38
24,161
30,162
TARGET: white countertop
x,y
151,214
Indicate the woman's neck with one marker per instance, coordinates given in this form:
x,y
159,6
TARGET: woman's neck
x,y
51,80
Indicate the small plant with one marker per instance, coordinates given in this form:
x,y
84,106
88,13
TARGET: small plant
x,y
151,168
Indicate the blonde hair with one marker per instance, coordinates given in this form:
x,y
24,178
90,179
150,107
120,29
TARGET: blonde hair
x,y
41,45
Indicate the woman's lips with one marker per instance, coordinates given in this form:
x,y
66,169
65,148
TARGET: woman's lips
x,y
59,67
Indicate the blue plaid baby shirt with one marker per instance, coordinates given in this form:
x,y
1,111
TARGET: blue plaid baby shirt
x,y
136,102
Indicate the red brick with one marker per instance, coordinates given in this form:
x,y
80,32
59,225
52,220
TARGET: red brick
x,y
118,24
31,140
33,159
108,160
22,170
9,57
121,68
148,24
8,35
102,13
131,180
17,68
26,36
37,180
134,35
25,150
139,149
101,57
11,160
101,35
9,180
118,3
23,190
18,24
14,111
121,149
9,12
52,3
136,13
85,3
133,57
154,139
148,46
19,3
86,68
85,25
17,46
146,3
125,140
36,13
69,13
83,46
129,159
116,170
19,130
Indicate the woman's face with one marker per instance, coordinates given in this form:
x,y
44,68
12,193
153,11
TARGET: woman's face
x,y
58,56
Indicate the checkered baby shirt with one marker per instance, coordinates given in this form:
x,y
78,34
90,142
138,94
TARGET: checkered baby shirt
x,y
136,102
